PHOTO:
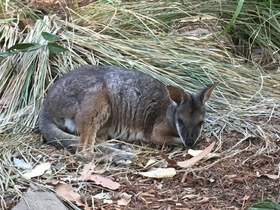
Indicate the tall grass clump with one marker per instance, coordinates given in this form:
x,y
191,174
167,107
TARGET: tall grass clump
x,y
255,31
180,43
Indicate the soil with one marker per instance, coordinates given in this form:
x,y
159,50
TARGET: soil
x,y
231,183
236,180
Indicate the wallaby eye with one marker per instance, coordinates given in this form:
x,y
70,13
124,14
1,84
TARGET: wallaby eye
x,y
180,121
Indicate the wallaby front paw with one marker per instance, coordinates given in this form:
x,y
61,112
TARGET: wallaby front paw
x,y
123,147
86,154
117,153
122,157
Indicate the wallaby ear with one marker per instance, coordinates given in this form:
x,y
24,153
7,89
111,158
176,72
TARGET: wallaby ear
x,y
205,94
176,94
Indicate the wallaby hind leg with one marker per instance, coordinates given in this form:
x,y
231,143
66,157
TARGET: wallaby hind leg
x,y
53,134
160,136
95,112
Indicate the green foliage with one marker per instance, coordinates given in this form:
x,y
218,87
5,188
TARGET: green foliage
x,y
22,47
29,47
266,205
49,37
55,48
256,27
234,17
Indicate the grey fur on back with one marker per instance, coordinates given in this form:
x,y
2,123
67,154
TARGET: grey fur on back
x,y
110,102
125,89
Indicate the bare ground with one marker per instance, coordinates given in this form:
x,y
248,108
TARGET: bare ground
x,y
229,181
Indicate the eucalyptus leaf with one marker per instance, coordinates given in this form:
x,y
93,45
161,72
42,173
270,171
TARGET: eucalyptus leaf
x,y
56,48
24,46
266,205
49,37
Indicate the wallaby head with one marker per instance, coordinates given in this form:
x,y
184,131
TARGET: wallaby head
x,y
187,112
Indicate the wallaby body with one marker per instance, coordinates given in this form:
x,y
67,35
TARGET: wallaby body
x,y
109,102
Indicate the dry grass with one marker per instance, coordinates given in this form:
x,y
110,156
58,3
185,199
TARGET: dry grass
x,y
151,40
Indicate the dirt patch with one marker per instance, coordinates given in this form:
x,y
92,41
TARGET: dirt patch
x,y
229,181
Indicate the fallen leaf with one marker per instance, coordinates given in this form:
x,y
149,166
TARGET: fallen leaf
x,y
125,199
38,170
191,196
149,163
159,173
194,152
20,163
102,196
105,182
168,160
66,191
139,165
88,173
266,204
209,156
88,170
195,159
270,176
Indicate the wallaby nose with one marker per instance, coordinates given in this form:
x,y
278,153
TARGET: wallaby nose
x,y
189,143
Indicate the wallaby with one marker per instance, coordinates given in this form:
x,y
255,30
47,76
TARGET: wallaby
x,y
109,102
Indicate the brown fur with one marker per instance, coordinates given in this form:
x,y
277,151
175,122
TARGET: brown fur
x,y
109,102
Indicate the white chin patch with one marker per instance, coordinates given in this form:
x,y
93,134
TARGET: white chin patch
x,y
180,140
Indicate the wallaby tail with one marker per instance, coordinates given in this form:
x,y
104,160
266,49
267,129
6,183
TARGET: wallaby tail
x,y
54,135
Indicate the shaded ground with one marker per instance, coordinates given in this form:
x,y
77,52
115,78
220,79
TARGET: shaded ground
x,y
231,183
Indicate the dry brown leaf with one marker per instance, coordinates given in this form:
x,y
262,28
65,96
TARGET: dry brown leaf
x,y
168,160
66,191
105,182
98,179
195,159
87,174
88,170
125,199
